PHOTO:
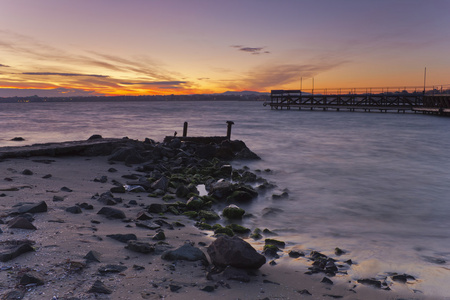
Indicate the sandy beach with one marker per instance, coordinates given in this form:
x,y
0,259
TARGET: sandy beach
x,y
63,239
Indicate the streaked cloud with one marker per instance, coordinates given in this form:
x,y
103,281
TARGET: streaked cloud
x,y
251,50
264,77
63,74
173,83
55,92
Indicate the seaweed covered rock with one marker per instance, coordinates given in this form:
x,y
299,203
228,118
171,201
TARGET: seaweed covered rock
x,y
233,212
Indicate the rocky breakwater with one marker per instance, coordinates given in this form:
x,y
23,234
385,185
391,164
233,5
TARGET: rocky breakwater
x,y
167,175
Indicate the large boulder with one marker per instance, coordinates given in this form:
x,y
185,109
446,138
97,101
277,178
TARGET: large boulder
x,y
235,252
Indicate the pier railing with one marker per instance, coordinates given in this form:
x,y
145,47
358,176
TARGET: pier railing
x,y
406,99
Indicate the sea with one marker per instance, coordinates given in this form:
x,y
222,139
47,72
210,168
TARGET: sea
x,y
376,185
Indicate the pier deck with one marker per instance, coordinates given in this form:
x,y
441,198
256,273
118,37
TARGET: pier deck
x,y
400,102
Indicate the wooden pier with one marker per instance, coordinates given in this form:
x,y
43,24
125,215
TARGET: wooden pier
x,y
400,102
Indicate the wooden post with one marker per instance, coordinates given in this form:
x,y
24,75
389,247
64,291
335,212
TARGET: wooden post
x,y
185,127
230,123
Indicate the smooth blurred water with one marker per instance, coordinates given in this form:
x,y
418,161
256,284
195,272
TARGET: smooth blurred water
x,y
376,185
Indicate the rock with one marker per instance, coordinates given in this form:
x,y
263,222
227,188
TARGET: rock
x,y
123,238
326,280
92,256
17,139
85,205
112,213
143,216
66,189
122,154
233,212
271,211
14,295
208,288
208,215
140,247
160,236
15,249
74,210
221,189
102,179
161,184
182,191
246,154
206,151
274,242
31,277
242,194
304,292
107,198
47,176
338,251
232,273
174,288
403,278
235,252
157,208
185,252
296,254
27,172
32,208
118,189
58,198
100,288
194,203
95,137
371,282
21,223
111,269
148,225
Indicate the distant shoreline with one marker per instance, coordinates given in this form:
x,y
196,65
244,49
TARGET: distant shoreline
x,y
37,99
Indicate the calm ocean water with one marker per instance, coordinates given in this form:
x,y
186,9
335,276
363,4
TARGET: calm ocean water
x,y
376,185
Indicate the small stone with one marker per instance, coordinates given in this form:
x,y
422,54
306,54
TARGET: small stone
x,y
112,213
66,189
21,223
93,256
208,288
27,172
326,280
296,254
112,170
99,288
58,198
18,139
47,176
304,292
31,277
160,236
123,238
140,247
74,210
174,288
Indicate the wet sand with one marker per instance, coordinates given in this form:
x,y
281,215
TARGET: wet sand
x,y
62,239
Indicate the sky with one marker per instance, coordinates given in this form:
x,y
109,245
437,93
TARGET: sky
x,y
160,47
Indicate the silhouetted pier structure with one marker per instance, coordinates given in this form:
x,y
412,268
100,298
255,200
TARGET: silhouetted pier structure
x,y
367,101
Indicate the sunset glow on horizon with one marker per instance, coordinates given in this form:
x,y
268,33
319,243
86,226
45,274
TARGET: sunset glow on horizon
x,y
152,47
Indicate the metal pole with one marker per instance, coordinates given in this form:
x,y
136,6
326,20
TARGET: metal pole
x,y
424,80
